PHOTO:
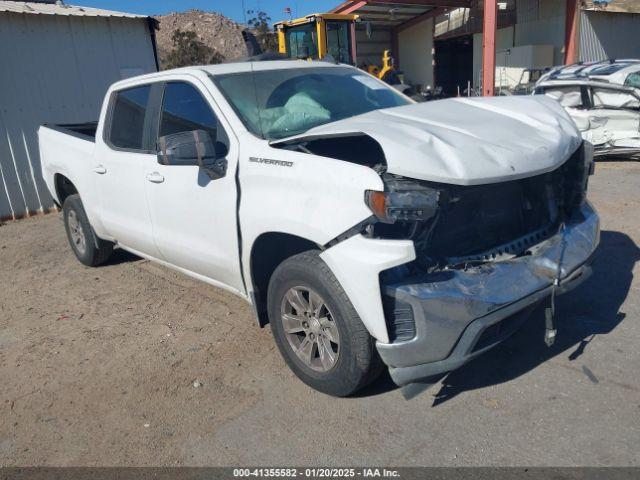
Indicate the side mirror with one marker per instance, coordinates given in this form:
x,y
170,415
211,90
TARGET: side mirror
x,y
194,148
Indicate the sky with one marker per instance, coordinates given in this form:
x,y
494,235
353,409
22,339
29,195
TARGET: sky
x,y
230,8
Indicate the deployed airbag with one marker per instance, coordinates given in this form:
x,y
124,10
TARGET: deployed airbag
x,y
301,112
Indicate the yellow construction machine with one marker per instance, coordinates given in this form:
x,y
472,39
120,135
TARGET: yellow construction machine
x,y
388,72
318,35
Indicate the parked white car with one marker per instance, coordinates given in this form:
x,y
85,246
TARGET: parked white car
x,y
365,228
624,72
607,114
620,73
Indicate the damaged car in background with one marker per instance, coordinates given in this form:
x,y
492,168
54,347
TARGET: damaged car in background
x,y
366,229
604,101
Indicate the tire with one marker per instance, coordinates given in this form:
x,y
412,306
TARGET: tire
x,y
88,248
335,324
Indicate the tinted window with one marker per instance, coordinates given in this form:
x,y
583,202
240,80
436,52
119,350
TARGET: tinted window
x,y
127,120
301,41
608,69
633,80
184,110
338,41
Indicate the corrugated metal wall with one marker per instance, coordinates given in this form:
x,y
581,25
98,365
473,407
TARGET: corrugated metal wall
x,y
541,22
56,69
527,10
606,35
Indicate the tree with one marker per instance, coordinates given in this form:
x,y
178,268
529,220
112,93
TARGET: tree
x,y
188,49
265,35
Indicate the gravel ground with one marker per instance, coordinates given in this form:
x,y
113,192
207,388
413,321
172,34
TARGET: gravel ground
x,y
98,368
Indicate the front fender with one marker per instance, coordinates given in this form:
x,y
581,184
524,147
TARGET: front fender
x,y
304,195
357,263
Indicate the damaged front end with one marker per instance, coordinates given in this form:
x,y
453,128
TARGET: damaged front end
x,y
456,227
484,256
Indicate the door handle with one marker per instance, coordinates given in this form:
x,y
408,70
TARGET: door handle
x,y
155,177
100,169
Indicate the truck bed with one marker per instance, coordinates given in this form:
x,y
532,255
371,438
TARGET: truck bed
x,y
85,131
67,150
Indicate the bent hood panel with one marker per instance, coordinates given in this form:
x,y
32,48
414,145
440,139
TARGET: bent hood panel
x,y
466,141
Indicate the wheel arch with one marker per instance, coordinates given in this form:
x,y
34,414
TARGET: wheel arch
x,y
64,187
268,251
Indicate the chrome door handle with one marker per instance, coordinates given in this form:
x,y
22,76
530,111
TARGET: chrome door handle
x,y
155,177
100,169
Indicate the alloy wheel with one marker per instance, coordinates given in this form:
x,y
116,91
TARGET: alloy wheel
x,y
77,232
310,328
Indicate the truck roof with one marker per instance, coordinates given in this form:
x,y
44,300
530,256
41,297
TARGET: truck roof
x,y
234,67
237,67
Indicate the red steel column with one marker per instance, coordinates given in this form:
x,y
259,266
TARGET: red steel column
x,y
571,33
489,47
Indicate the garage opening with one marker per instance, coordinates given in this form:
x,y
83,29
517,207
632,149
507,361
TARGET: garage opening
x,y
454,64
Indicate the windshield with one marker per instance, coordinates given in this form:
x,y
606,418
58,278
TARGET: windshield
x,y
608,69
275,104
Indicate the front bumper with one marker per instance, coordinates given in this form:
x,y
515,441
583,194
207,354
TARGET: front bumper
x,y
459,314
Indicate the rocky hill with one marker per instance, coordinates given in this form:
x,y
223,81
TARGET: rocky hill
x,y
215,30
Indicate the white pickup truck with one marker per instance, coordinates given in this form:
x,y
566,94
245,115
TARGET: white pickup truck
x,y
368,230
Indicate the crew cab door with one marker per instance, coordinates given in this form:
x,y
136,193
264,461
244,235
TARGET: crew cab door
x,y
193,216
122,157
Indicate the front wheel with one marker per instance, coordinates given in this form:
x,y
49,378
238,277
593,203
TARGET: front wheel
x,y
317,329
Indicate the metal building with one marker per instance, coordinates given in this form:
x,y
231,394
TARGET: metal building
x,y
487,44
609,30
56,62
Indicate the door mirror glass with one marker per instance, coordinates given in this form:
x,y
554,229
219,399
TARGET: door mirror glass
x,y
195,147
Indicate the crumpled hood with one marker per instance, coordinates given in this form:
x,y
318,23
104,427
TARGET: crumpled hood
x,y
466,141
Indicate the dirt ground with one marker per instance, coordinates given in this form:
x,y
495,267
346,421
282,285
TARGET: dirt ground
x,y
97,367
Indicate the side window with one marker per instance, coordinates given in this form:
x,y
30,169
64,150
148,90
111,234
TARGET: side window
x,y
610,98
301,41
184,110
567,96
338,41
633,80
127,118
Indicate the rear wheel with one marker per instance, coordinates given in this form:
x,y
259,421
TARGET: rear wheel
x,y
88,248
317,330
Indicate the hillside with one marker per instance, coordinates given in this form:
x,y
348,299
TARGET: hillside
x,y
215,30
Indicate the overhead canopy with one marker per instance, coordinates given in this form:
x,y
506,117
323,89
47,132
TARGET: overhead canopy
x,y
54,8
612,6
397,13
